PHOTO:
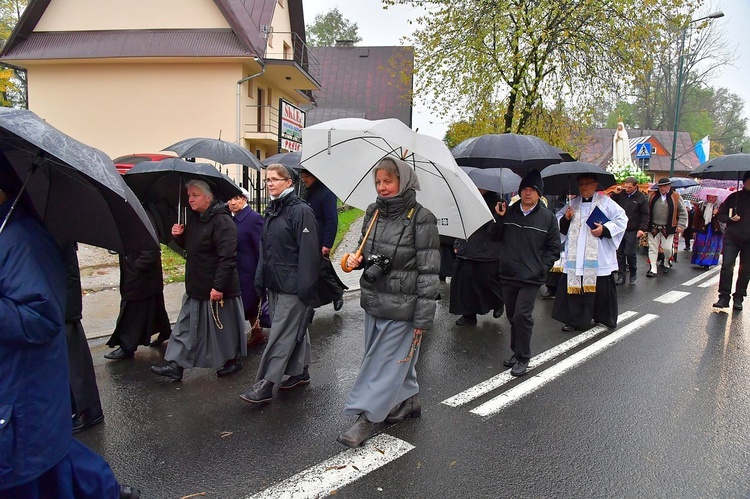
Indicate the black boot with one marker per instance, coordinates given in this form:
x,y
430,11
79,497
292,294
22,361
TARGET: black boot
x,y
467,320
171,370
262,391
295,381
411,407
360,431
129,492
722,303
119,354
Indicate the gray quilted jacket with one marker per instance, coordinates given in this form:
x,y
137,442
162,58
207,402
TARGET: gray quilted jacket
x,y
408,291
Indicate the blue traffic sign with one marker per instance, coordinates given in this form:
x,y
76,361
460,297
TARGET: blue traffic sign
x,y
643,151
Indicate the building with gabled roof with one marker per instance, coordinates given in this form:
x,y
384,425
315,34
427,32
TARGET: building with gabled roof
x,y
139,75
364,82
598,150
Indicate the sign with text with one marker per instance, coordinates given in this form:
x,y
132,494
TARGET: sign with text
x,y
291,123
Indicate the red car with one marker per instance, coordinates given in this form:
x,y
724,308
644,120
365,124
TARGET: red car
x,y
125,163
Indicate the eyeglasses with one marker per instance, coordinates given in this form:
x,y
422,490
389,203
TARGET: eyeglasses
x,y
274,180
584,184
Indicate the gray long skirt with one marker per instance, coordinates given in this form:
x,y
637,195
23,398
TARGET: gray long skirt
x,y
283,353
383,383
196,341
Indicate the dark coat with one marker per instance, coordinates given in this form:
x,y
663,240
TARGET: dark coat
x,y
35,423
739,202
73,295
289,251
141,275
210,241
323,204
407,292
530,244
699,225
249,229
480,246
636,208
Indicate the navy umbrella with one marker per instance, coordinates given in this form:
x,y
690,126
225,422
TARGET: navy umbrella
x,y
288,159
520,153
560,179
217,150
500,180
73,189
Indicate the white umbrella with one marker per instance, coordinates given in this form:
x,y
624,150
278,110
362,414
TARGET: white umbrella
x,y
342,154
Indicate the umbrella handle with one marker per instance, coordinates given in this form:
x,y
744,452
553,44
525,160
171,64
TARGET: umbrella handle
x,y
344,265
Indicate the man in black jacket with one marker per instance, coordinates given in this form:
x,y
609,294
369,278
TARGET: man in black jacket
x,y
531,244
635,204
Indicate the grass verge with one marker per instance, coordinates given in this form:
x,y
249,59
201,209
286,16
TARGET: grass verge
x,y
172,265
346,218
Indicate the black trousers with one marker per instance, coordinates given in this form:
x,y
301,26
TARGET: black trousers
x,y
83,390
627,250
733,248
519,301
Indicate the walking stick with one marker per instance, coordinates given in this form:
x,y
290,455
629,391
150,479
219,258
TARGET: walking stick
x,y
344,266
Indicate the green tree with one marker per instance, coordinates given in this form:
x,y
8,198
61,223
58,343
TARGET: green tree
x,y
527,55
330,27
12,81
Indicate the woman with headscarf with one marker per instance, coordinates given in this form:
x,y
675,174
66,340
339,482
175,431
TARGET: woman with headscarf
x,y
249,227
401,263
288,273
709,235
210,329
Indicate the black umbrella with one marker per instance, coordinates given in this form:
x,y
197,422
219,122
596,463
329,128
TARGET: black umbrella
x,y
728,167
520,153
217,150
72,188
682,182
560,179
162,183
500,180
288,159
566,156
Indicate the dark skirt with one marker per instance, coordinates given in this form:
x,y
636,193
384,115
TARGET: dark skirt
x,y
138,321
579,310
475,287
206,334
707,247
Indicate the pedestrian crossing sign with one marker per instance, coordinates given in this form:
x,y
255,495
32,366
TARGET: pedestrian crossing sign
x,y
643,151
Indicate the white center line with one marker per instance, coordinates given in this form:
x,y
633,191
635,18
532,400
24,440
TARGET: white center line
x,y
495,382
711,282
704,275
340,470
672,297
505,399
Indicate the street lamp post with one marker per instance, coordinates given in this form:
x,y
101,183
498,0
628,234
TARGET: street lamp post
x,y
713,15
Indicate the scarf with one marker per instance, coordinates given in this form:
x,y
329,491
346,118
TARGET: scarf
x,y
576,285
708,213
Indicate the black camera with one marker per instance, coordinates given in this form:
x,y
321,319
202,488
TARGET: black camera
x,y
376,266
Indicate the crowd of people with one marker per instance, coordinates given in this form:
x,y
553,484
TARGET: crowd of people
x,y
273,270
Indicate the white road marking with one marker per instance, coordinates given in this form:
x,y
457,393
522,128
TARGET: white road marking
x,y
495,382
507,398
711,282
672,297
704,275
338,471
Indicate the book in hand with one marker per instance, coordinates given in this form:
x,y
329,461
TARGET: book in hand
x,y
596,216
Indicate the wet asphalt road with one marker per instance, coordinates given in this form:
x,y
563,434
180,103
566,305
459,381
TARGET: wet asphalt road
x,y
662,412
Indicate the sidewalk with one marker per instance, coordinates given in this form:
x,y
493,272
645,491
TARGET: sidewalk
x,y
100,278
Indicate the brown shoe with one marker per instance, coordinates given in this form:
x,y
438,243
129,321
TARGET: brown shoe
x,y
357,434
256,338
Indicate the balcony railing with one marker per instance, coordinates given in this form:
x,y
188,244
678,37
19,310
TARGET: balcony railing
x,y
263,119
298,52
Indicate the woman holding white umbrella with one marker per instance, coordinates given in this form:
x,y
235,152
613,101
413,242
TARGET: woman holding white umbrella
x,y
401,262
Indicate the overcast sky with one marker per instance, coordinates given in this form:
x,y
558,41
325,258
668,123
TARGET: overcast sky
x,y
387,27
